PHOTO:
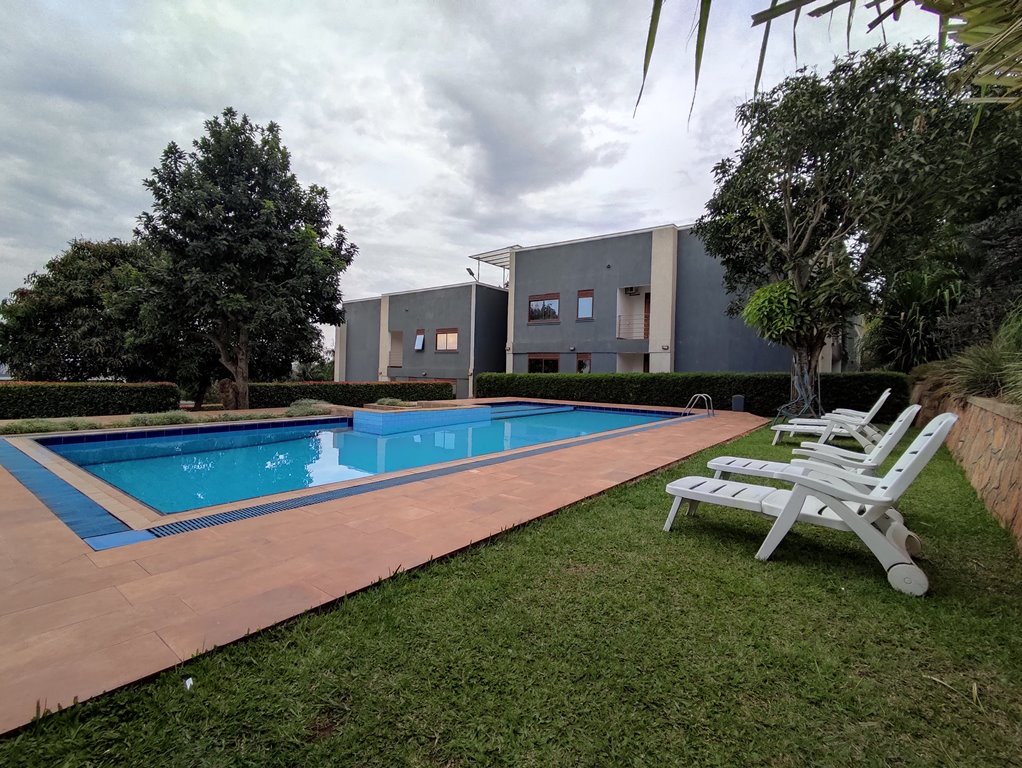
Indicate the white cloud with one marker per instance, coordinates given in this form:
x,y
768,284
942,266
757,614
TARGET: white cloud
x,y
440,129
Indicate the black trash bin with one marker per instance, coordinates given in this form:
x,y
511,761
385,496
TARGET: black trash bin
x,y
737,402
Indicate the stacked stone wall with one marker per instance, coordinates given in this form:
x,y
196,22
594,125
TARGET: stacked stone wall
x,y
987,443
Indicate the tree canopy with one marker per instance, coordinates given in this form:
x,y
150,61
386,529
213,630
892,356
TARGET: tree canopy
x,y
66,323
835,173
98,310
246,247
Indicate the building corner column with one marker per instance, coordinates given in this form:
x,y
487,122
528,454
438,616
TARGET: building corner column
x,y
509,347
384,357
663,292
341,352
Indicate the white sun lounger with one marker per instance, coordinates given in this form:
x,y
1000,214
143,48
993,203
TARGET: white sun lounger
x,y
863,463
842,422
824,495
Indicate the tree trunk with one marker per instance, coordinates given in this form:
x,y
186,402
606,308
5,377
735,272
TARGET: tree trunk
x,y
241,369
235,359
805,382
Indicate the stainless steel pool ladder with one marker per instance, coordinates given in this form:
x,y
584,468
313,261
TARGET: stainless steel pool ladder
x,y
703,400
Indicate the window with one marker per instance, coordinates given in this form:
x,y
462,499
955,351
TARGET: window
x,y
446,339
585,305
420,339
583,363
545,308
544,363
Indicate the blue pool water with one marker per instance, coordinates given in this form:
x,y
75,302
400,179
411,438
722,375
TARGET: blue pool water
x,y
181,472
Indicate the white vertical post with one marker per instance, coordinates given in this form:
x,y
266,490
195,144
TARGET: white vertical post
x,y
384,357
663,271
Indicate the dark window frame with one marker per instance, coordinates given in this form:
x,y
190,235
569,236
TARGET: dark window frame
x,y
415,345
544,297
588,357
545,357
446,331
586,293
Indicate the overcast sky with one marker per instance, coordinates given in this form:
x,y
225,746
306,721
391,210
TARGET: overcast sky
x,y
440,128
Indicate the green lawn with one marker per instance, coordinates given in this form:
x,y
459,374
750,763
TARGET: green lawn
x,y
593,638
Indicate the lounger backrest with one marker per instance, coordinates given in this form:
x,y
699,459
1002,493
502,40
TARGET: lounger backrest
x,y
893,435
877,406
918,454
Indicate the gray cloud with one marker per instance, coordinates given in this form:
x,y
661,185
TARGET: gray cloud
x,y
440,129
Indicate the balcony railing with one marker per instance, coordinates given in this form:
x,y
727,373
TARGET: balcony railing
x,y
633,326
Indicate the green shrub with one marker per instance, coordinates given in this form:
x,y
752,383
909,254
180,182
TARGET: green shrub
x,y
985,370
307,408
282,394
980,370
1012,382
1009,333
31,399
393,401
764,392
159,419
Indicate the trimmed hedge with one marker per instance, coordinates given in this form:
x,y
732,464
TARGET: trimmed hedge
x,y
282,394
54,399
764,392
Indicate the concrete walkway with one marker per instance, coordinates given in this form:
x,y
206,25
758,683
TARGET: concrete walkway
x,y
75,623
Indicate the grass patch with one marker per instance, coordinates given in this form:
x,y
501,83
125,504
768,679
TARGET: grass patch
x,y
29,426
396,402
42,426
593,638
158,419
308,408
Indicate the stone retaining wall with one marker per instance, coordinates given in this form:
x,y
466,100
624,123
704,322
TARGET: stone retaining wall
x,y
987,442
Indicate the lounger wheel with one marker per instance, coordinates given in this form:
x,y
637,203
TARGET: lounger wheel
x,y
902,537
908,578
913,545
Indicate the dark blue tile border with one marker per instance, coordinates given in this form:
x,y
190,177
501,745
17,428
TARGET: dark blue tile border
x,y
80,513
101,530
111,540
588,407
133,434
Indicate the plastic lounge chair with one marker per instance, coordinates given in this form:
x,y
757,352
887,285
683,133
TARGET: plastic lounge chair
x,y
823,495
863,463
843,422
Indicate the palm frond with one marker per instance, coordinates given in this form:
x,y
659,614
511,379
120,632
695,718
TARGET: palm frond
x,y
991,30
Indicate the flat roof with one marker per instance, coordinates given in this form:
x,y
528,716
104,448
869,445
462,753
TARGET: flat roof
x,y
501,257
425,290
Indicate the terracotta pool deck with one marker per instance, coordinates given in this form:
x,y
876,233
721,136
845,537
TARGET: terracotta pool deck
x,y
75,623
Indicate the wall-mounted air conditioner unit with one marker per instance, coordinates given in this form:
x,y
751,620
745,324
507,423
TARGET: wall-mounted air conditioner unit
x,y
633,290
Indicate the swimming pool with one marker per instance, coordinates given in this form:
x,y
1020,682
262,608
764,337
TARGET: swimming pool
x,y
180,470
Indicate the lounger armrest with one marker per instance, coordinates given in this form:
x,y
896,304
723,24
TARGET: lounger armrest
x,y
830,418
829,458
842,419
837,473
833,450
819,484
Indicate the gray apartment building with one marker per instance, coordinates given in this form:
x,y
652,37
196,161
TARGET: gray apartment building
x,y
645,300
447,333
